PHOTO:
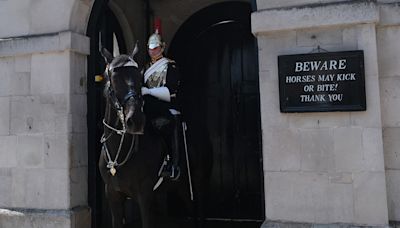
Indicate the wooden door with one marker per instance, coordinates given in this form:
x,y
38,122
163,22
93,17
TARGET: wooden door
x,y
220,88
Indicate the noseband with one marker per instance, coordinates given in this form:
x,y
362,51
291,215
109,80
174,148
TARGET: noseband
x,y
112,164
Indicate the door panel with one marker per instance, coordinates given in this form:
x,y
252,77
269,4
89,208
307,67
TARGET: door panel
x,y
231,124
220,88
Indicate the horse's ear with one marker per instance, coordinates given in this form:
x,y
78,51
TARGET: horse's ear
x,y
108,57
135,50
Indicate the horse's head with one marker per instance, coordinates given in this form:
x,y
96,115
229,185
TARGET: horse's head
x,y
123,90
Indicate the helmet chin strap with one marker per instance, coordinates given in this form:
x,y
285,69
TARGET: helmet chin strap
x,y
158,57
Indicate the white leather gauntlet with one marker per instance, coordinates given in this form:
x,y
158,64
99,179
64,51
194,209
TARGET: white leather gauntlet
x,y
161,93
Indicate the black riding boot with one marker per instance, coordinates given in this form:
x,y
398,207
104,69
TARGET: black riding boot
x,y
171,169
176,147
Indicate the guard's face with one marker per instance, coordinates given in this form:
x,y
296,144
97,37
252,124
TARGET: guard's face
x,y
155,52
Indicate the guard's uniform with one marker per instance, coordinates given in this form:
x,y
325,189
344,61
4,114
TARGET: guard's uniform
x,y
161,82
167,75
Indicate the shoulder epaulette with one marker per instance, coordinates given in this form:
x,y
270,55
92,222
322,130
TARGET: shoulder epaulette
x,y
171,61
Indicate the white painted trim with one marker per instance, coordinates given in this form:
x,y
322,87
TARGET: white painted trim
x,y
314,16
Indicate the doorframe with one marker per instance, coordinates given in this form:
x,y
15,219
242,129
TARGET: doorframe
x,y
93,196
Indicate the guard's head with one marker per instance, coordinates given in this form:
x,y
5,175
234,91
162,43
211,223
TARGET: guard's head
x,y
155,40
155,45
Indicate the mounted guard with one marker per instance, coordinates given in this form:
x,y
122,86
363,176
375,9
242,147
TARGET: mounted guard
x,y
132,149
161,85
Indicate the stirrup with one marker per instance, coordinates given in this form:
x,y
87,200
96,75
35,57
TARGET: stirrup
x,y
168,170
175,173
171,172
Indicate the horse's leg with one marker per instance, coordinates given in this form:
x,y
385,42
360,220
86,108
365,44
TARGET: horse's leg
x,y
145,203
116,201
195,206
198,189
199,210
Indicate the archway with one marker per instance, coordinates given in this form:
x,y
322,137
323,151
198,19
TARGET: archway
x,y
235,46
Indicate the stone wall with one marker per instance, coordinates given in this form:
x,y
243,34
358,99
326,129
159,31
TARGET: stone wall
x,y
321,168
33,17
388,34
43,132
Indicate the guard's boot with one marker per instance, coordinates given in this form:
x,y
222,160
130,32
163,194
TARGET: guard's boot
x,y
171,169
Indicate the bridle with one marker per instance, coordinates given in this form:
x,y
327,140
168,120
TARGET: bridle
x,y
112,164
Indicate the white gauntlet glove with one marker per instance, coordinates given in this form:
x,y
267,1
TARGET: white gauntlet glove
x,y
145,91
161,93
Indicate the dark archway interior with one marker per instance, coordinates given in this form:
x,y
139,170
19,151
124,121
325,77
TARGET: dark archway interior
x,y
103,25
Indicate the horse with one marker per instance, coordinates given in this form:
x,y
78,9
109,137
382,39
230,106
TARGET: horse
x,y
132,151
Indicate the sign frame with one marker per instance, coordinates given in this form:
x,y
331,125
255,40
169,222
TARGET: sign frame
x,y
355,97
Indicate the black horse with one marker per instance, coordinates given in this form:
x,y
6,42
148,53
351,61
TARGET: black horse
x,y
132,151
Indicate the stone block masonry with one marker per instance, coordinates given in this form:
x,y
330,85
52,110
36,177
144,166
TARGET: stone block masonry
x,y
321,169
43,158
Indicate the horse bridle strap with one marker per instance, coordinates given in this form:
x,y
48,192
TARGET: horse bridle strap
x,y
113,164
120,132
114,100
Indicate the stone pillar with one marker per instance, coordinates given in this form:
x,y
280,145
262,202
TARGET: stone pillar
x,y
43,131
321,168
388,33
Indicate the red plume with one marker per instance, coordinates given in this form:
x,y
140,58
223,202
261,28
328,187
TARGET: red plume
x,y
157,25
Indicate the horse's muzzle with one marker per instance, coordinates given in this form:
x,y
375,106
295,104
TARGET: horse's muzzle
x,y
135,123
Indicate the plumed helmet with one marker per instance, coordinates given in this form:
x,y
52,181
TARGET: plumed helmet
x,y
155,40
